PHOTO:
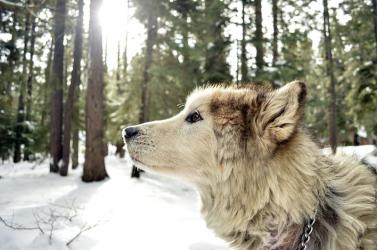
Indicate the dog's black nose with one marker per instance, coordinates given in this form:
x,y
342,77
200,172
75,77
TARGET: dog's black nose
x,y
130,132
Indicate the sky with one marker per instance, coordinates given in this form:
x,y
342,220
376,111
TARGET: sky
x,y
117,20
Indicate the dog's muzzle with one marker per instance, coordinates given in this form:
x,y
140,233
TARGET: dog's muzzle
x,y
129,133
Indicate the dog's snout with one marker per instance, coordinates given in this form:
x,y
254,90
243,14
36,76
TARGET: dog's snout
x,y
130,132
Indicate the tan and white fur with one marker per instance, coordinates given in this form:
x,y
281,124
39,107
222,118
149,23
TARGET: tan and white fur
x,y
259,175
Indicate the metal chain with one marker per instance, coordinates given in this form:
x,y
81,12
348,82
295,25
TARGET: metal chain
x,y
308,229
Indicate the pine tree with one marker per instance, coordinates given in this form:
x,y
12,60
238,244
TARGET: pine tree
x,y
56,148
29,86
20,122
94,166
75,81
275,32
330,73
258,40
244,66
216,68
10,23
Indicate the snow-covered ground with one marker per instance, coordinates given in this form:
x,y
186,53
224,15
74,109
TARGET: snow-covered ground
x,y
153,212
120,213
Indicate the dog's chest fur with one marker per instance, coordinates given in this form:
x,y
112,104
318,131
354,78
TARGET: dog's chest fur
x,y
245,228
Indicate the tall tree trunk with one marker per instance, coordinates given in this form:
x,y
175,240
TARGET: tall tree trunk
x,y
259,36
330,73
275,32
56,149
151,40
94,166
238,62
19,128
47,74
374,12
12,55
120,149
75,146
31,71
75,81
244,70
75,132
29,85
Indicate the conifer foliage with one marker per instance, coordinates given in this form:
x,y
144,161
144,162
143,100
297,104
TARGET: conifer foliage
x,y
62,98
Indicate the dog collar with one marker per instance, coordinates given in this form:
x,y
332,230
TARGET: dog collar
x,y
308,229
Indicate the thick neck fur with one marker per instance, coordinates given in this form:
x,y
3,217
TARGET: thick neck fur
x,y
263,204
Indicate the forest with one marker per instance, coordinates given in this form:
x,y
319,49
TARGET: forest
x,y
74,73
68,85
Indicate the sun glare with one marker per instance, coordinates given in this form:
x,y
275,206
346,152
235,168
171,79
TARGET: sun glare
x,y
117,21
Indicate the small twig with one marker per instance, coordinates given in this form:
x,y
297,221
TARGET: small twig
x,y
38,162
17,227
36,218
82,230
51,231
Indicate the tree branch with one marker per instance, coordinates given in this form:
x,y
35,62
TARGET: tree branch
x,y
10,5
18,227
82,230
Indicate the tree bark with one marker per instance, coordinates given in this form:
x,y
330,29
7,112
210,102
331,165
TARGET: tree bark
x,y
75,147
31,72
12,54
119,149
94,166
56,149
374,13
19,128
238,62
144,109
75,132
259,36
29,85
330,73
244,70
75,81
275,32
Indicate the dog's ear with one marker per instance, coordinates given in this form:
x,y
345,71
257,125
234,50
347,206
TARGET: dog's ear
x,y
281,110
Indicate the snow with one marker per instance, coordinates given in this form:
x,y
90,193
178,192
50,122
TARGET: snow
x,y
153,212
362,132
366,153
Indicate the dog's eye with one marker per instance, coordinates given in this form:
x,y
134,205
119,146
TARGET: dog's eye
x,y
194,117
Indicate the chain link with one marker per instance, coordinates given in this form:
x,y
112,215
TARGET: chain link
x,y
308,229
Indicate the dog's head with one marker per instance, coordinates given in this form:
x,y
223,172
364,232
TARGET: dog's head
x,y
218,126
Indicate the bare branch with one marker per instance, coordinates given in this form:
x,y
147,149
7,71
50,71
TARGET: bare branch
x,y
16,226
10,5
44,157
37,221
82,230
